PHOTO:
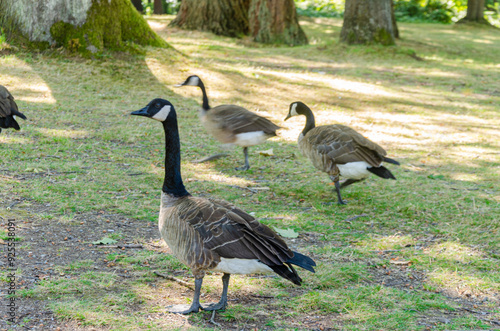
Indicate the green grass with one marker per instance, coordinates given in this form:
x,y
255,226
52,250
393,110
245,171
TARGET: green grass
x,y
81,152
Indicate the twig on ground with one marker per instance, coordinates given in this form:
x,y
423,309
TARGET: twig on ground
x,y
212,319
210,158
244,188
262,296
354,217
14,203
183,283
122,246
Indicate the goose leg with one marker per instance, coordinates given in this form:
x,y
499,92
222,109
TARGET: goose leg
x,y
337,188
350,181
335,180
195,306
221,305
247,165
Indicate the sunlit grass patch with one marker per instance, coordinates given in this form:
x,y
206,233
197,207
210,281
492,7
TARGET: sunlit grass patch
x,y
392,242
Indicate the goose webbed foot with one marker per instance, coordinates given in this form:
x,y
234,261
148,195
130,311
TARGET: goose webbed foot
x,y
184,309
195,306
222,304
247,165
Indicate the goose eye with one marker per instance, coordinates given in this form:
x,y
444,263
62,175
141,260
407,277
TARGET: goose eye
x,y
157,106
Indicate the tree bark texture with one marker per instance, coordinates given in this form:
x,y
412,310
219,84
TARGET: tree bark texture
x,y
138,5
393,18
475,12
85,26
158,7
275,21
368,22
222,17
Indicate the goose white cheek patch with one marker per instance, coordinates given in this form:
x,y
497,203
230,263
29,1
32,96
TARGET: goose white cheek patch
x,y
293,111
162,114
193,81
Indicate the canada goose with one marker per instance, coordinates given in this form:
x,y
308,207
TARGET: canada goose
x,y
8,110
231,124
339,150
207,234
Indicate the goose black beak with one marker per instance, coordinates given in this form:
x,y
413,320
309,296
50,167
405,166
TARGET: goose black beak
x,y
288,116
142,112
178,85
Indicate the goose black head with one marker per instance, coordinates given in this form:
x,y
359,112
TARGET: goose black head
x,y
157,109
191,81
297,108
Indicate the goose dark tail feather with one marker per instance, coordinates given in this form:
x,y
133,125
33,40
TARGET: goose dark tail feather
x,y
287,272
15,112
302,261
381,172
389,160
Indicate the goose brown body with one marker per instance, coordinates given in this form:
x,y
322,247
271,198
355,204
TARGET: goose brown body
x,y
208,234
201,231
232,124
328,146
227,122
339,150
8,110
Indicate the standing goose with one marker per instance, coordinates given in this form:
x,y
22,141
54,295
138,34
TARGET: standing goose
x,y
339,150
231,124
8,110
214,235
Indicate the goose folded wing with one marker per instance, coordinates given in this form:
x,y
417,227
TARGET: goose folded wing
x,y
344,145
5,102
232,233
240,120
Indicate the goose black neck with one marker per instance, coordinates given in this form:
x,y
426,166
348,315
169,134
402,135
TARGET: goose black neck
x,y
310,123
172,183
205,97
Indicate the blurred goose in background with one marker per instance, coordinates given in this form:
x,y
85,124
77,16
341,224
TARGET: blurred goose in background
x,y
8,110
231,124
339,150
207,234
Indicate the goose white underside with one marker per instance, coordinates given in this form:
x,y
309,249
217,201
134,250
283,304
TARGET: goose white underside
x,y
241,266
354,170
250,138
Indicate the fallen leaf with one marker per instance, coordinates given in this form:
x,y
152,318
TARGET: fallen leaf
x,y
287,233
268,152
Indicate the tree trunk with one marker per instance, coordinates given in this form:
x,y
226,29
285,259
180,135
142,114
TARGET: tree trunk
x,y
138,5
222,17
85,26
368,22
275,21
158,7
475,12
393,19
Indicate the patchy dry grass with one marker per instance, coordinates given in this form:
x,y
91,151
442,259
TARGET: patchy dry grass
x,y
423,255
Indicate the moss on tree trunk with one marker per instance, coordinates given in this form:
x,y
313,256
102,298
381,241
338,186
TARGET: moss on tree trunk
x,y
84,26
368,22
275,21
222,17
